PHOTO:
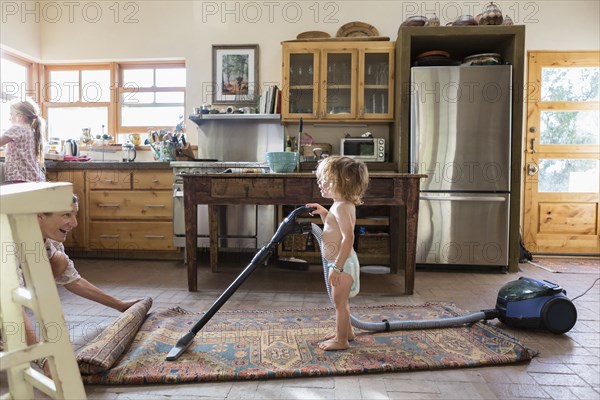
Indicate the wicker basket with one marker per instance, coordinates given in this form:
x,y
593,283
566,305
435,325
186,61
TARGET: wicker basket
x,y
374,243
295,242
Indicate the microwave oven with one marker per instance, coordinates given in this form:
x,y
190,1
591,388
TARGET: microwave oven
x,y
367,149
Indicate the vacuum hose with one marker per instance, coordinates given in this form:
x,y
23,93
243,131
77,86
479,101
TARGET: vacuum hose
x,y
386,325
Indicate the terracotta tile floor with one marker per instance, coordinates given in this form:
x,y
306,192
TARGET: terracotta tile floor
x,y
567,367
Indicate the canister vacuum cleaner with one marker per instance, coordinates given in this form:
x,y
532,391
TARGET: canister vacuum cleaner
x,y
524,303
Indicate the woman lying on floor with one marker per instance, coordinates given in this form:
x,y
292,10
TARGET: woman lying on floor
x,y
54,228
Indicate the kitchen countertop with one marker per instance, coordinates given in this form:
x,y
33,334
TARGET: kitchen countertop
x,y
372,174
119,165
305,168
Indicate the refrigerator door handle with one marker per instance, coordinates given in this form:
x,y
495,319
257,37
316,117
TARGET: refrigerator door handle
x,y
414,129
463,198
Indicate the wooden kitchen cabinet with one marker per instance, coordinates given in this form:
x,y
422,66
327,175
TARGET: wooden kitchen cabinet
x,y
76,239
138,235
131,210
130,204
108,179
338,81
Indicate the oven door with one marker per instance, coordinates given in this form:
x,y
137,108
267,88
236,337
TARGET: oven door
x,y
238,224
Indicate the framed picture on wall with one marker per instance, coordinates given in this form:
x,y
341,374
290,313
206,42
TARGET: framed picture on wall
x,y
235,74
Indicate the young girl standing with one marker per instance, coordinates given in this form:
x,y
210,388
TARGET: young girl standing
x,y
344,180
24,156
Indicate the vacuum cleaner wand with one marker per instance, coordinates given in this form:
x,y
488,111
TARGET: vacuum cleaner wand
x,y
287,226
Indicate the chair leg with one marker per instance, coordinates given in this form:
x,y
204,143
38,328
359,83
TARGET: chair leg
x,y
22,244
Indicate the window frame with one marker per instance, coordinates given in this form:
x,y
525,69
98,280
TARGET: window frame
x,y
117,69
31,82
122,67
45,92
32,74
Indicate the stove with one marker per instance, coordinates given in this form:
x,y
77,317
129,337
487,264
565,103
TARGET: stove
x,y
215,167
239,229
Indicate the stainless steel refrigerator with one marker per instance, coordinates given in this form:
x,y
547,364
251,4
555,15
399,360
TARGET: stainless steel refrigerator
x,y
461,137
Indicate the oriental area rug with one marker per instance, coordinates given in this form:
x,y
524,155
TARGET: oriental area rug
x,y
568,265
283,344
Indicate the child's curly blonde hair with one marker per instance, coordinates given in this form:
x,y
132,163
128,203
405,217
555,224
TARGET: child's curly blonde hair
x,y
348,177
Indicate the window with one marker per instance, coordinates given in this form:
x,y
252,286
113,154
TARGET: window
x,y
147,96
150,96
77,97
16,82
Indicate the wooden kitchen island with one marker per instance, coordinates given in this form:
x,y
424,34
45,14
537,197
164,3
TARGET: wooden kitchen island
x,y
400,192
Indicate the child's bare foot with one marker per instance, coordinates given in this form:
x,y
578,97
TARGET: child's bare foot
x,y
332,336
331,345
125,304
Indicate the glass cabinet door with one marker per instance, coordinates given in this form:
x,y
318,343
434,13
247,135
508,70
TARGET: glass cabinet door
x,y
339,98
376,99
341,82
303,85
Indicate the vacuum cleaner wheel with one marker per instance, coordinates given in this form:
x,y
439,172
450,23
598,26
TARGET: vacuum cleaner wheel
x,y
559,315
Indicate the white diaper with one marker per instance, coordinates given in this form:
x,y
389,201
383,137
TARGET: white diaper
x,y
352,268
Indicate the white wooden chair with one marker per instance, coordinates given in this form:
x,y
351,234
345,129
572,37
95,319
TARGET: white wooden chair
x,y
21,242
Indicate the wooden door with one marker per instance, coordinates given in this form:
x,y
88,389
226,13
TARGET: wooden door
x,y
562,153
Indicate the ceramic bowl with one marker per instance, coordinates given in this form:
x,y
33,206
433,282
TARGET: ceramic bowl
x,y
464,20
417,20
282,161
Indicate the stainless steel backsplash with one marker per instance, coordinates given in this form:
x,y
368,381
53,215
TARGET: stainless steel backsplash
x,y
239,140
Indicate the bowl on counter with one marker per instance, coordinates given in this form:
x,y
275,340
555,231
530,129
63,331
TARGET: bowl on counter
x,y
282,161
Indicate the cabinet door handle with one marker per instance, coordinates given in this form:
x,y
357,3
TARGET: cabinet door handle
x,y
108,180
109,205
109,236
153,237
465,198
154,180
154,205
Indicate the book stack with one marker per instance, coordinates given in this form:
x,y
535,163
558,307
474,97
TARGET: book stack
x,y
269,102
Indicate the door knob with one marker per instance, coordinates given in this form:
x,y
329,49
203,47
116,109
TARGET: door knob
x,y
532,169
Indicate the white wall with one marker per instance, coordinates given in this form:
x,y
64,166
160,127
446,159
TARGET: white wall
x,y
151,29
20,27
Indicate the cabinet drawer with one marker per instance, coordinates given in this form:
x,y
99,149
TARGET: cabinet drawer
x,y
108,179
152,179
143,235
254,188
104,204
